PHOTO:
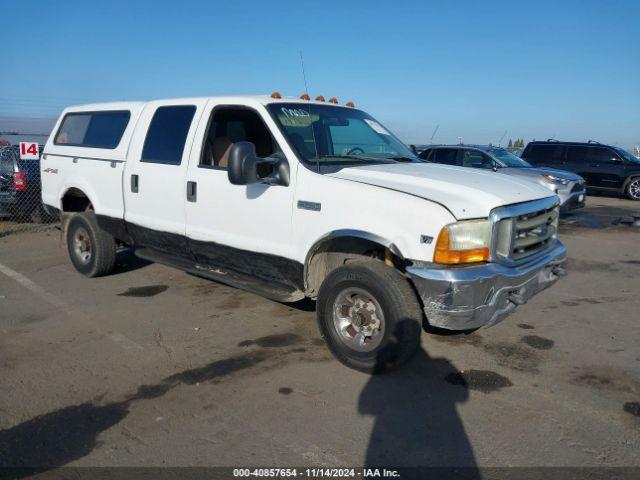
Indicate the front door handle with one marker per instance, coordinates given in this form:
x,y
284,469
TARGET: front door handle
x,y
192,191
134,183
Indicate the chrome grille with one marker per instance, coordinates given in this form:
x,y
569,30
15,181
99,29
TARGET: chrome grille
x,y
533,232
523,230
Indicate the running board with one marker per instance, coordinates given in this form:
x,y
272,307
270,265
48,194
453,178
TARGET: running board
x,y
271,290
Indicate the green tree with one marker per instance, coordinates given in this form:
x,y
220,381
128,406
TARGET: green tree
x,y
510,144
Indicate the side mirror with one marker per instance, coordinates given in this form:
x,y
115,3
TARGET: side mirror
x,y
245,167
414,150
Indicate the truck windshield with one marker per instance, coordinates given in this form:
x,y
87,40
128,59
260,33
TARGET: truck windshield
x,y
508,159
328,135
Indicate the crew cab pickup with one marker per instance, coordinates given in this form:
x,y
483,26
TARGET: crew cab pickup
x,y
292,198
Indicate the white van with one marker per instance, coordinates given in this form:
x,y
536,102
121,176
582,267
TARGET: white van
x,y
292,198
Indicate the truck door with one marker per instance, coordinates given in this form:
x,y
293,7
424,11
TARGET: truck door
x,y
154,181
245,229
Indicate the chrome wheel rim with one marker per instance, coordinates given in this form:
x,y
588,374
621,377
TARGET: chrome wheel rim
x,y
634,189
358,319
82,245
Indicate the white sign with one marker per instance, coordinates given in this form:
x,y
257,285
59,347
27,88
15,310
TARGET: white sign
x,y
29,151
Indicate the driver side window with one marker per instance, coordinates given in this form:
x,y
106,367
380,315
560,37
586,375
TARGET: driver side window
x,y
229,125
476,159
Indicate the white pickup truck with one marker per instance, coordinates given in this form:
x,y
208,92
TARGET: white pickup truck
x,y
293,198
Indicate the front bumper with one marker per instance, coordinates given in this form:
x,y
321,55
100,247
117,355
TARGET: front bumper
x,y
471,297
572,201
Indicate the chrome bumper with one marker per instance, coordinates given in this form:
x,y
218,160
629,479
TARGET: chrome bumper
x,y
470,297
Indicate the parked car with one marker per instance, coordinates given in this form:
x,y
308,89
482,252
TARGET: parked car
x,y
568,186
605,168
20,186
293,198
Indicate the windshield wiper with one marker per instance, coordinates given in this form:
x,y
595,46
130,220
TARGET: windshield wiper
x,y
400,158
347,157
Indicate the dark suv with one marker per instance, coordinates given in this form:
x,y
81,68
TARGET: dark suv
x,y
603,167
20,191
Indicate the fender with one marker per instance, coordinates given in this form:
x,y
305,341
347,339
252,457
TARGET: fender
x,y
83,187
630,176
347,233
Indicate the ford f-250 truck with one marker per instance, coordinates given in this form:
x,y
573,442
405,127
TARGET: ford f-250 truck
x,y
293,198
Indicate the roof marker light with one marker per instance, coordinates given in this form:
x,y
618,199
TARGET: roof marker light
x,y
333,100
305,96
319,98
276,95
350,104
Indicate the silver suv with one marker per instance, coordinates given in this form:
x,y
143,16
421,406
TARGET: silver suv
x,y
568,186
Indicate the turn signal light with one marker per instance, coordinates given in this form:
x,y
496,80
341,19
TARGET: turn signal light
x,y
333,100
305,96
350,104
319,98
276,95
445,254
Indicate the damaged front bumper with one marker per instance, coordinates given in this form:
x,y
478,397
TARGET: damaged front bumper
x,y
480,296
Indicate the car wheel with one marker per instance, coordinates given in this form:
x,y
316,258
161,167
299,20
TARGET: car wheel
x,y
369,316
92,250
633,188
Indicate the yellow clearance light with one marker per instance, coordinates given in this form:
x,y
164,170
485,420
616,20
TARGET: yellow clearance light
x,y
319,98
350,104
333,100
305,96
276,95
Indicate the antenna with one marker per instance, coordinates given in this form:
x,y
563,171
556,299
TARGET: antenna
x,y
313,132
434,134
502,138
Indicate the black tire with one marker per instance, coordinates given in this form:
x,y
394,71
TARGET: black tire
x,y
84,236
402,315
633,189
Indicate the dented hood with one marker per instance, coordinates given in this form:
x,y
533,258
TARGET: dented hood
x,y
465,192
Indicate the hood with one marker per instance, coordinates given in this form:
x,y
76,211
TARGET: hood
x,y
534,172
465,192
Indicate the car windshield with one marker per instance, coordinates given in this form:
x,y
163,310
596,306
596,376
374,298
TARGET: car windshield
x,y
336,136
508,159
627,156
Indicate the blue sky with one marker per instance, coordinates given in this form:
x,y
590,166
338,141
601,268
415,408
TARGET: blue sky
x,y
569,69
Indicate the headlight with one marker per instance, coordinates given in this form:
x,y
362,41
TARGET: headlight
x,y
557,180
464,242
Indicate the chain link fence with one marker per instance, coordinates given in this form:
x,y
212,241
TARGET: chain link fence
x,y
21,208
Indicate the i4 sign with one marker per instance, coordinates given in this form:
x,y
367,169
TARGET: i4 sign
x,y
29,151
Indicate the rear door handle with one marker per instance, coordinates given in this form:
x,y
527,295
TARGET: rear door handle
x,y
192,191
134,183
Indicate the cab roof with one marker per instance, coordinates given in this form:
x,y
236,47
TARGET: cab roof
x,y
240,99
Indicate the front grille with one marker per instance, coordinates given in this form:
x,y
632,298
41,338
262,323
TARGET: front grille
x,y
525,229
533,232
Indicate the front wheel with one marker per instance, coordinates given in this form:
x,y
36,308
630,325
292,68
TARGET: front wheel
x,y
369,316
633,189
91,249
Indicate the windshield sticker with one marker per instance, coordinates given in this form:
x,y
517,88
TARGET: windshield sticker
x,y
376,127
296,117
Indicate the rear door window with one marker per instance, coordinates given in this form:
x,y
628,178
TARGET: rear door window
x,y
578,154
544,154
93,129
167,134
447,156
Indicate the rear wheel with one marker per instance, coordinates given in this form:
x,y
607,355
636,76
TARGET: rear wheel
x,y
633,189
92,250
369,316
